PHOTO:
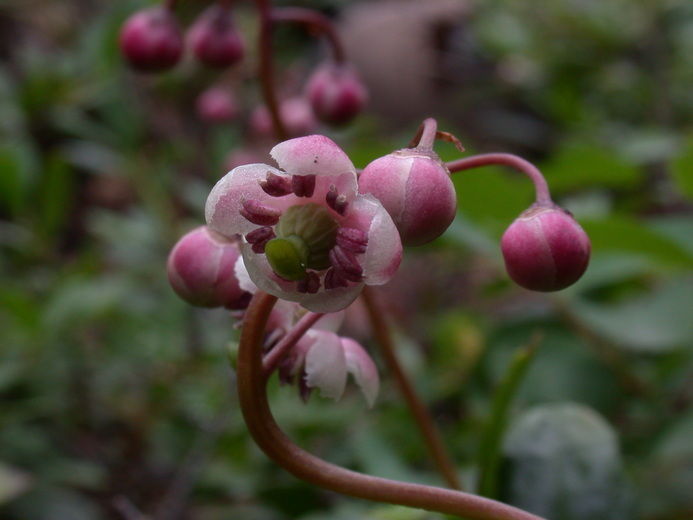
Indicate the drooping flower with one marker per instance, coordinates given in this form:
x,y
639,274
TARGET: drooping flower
x,y
308,236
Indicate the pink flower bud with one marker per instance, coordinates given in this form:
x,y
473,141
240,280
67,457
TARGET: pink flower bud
x,y
545,249
217,105
152,40
415,188
201,270
214,38
336,93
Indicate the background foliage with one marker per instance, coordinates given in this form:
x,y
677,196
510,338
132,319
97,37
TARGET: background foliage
x,y
117,397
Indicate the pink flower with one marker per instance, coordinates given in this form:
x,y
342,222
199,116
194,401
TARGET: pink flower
x,y
308,236
324,360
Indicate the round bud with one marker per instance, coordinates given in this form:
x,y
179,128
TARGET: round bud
x,y
415,188
336,93
545,249
201,270
217,105
296,114
152,40
214,39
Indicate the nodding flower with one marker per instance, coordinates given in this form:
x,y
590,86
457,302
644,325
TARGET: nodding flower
x,y
308,236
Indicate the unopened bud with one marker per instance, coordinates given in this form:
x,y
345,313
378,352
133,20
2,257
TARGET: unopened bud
x,y
214,38
336,94
152,40
201,270
545,249
415,188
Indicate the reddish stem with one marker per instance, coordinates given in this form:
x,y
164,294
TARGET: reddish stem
x,y
422,418
282,348
266,72
543,197
252,395
316,22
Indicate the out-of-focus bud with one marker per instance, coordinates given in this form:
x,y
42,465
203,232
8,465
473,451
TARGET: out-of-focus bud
x,y
214,38
545,249
414,186
152,40
217,105
296,114
201,270
336,93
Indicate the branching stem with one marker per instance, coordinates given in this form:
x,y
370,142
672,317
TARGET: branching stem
x,y
252,394
317,23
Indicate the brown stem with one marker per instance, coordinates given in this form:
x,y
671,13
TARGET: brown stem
x,y
543,197
266,72
316,22
271,439
274,357
423,419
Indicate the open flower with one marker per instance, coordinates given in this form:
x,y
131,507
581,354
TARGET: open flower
x,y
324,360
308,236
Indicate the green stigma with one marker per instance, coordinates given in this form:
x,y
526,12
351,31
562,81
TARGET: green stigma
x,y
305,235
288,257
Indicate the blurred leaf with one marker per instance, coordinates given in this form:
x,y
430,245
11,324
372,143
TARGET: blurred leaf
x,y
682,169
658,321
628,235
57,195
577,166
563,463
12,483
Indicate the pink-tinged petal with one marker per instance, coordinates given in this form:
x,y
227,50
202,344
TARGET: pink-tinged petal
x,y
346,184
325,366
361,366
330,322
224,204
384,250
312,155
331,301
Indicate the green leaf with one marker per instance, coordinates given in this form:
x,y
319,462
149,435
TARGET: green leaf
x,y
578,166
659,321
564,463
682,169
628,235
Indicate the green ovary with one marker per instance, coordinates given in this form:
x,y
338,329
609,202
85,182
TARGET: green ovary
x,y
305,235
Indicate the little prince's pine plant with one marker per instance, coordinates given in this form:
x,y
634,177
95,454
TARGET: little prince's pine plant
x,y
289,247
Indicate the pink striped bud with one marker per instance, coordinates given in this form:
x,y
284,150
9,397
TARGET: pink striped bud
x,y
415,188
336,93
151,40
545,249
201,270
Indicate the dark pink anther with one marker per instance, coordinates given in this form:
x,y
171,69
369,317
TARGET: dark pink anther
x,y
276,185
334,280
303,185
259,237
310,284
352,239
345,263
336,201
259,213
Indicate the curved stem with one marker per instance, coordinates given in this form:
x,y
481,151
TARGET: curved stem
x,y
266,72
315,21
274,356
423,419
269,437
543,197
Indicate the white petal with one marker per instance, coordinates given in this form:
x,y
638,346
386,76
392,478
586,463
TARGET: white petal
x,y
384,251
326,364
312,155
330,301
243,277
222,210
361,366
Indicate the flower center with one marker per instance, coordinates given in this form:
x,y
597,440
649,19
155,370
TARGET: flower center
x,y
305,236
